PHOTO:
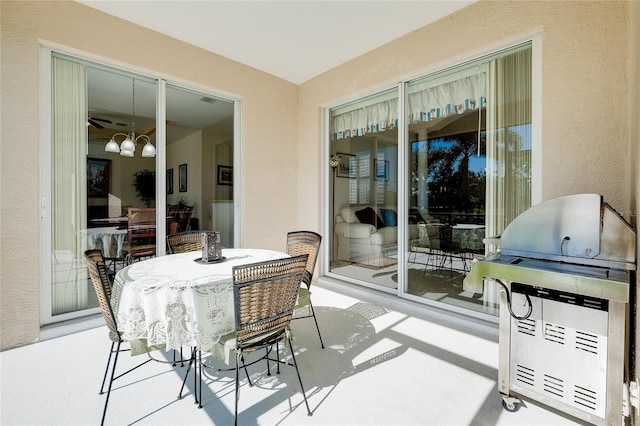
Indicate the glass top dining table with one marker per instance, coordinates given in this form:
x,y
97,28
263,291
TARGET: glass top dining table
x,y
179,301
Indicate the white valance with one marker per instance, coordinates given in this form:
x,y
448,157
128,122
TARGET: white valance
x,y
367,119
425,104
454,97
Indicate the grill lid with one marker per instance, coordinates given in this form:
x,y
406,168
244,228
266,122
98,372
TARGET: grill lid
x,y
579,229
575,243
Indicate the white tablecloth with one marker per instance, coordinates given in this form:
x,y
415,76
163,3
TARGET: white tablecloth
x,y
109,239
469,236
173,301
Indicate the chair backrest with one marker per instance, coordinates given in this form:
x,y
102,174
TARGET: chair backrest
x,y
172,210
141,226
102,286
184,218
433,234
183,242
305,242
265,295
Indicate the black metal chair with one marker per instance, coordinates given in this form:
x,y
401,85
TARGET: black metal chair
x,y
102,285
264,297
306,242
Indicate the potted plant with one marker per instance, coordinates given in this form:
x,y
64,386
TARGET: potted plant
x,y
145,183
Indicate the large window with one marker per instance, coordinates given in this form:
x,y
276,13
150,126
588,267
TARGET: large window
x,y
466,138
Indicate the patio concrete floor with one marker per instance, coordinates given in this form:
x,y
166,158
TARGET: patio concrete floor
x,y
386,362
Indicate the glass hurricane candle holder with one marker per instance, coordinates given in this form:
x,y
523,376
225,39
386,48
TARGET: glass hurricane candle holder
x,y
211,246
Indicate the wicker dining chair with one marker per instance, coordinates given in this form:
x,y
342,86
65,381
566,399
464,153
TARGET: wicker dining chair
x,y
306,242
183,242
102,286
264,300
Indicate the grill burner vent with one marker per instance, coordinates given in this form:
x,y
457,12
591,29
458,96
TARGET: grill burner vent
x,y
554,385
585,397
554,333
525,375
587,342
527,327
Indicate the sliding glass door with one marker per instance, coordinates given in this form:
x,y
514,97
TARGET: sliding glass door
x,y
364,190
199,163
112,165
466,159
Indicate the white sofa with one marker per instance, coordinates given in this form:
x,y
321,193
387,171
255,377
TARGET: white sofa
x,y
367,243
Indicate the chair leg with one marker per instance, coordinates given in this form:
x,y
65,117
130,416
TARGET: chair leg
x,y
175,362
199,384
313,312
238,358
295,364
106,370
192,360
113,371
267,358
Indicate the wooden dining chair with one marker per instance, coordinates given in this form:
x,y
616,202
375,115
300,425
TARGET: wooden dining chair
x,y
141,227
306,242
264,300
184,218
183,242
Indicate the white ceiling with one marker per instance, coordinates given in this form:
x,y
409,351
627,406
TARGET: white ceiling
x,y
294,40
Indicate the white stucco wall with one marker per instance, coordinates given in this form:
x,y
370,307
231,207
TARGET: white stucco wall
x,y
269,117
584,87
586,143
590,91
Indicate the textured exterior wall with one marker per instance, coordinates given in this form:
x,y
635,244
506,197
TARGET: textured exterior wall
x,y
633,159
586,143
590,89
269,137
584,88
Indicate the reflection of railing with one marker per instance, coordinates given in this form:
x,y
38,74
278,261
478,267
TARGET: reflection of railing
x,y
453,218
443,244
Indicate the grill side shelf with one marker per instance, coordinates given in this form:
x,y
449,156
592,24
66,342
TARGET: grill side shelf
x,y
612,288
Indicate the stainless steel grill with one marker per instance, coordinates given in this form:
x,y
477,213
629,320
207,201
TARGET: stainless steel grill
x,y
564,268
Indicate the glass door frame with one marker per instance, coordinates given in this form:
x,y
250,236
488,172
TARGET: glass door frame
x,y
46,113
535,40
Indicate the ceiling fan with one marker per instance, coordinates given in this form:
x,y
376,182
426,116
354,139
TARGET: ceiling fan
x,y
94,122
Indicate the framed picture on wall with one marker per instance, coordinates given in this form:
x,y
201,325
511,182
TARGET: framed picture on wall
x,y
225,175
347,166
170,181
98,177
182,178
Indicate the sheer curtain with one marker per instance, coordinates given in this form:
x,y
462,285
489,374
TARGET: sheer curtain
x,y
508,149
69,142
508,140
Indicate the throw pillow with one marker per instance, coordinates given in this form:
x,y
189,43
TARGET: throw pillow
x,y
348,214
368,215
415,217
389,217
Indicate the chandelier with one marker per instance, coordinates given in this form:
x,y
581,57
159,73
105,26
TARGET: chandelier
x,y
128,146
